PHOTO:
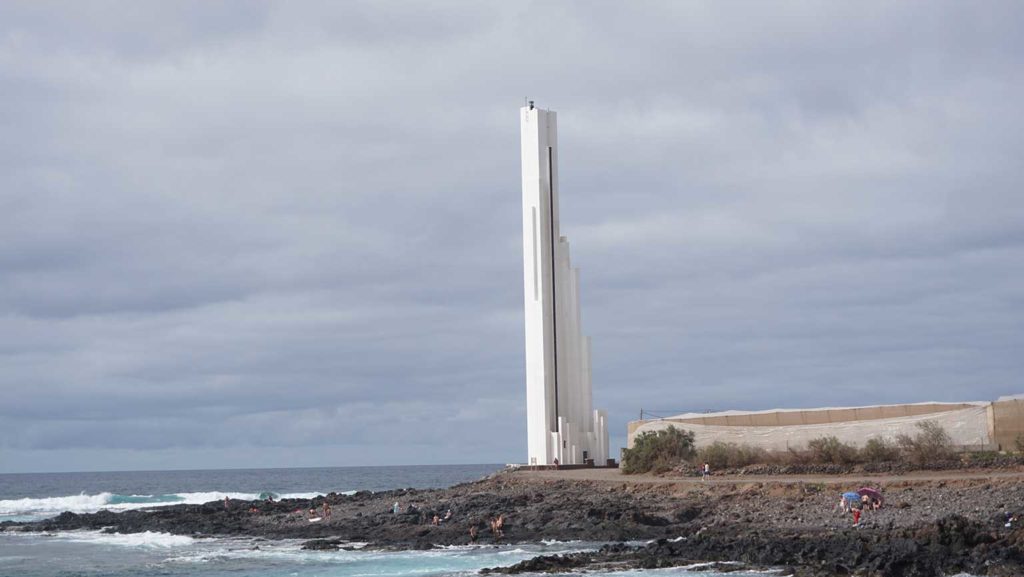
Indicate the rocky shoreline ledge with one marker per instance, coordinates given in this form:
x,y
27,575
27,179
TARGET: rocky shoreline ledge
x,y
952,545
929,527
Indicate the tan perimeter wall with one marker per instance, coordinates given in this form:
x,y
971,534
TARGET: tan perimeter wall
x,y
1007,423
969,424
823,416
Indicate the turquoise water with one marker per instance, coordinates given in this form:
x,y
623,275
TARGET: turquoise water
x,y
95,554
145,554
92,554
33,496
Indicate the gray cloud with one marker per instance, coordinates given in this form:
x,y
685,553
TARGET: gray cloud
x,y
238,234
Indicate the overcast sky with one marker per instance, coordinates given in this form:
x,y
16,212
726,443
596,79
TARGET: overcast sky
x,y
243,234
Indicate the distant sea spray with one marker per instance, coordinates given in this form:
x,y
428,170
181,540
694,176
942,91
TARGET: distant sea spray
x,y
34,496
40,508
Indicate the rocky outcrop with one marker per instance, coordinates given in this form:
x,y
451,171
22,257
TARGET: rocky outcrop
x,y
945,547
927,528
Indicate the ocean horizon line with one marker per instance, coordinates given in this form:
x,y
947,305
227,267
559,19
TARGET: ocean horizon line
x,y
189,470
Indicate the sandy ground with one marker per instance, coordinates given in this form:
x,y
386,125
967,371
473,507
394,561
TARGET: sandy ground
x,y
809,501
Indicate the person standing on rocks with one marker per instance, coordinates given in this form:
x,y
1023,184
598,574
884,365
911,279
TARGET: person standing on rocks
x,y
847,500
706,471
857,507
496,526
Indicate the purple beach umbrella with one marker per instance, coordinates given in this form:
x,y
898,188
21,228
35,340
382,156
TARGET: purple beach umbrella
x,y
873,493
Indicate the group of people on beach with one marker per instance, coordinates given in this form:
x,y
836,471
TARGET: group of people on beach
x,y
856,502
314,514
497,524
497,529
325,513
437,520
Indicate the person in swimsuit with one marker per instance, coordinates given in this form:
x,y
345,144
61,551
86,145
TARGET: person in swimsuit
x,y
857,507
847,500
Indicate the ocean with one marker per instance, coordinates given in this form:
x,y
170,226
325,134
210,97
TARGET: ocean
x,y
93,554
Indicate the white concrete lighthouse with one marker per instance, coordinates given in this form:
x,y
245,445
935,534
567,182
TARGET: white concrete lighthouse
x,y
560,420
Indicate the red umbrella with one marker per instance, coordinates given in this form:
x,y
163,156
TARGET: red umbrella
x,y
872,493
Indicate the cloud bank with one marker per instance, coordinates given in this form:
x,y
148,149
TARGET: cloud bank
x,y
268,234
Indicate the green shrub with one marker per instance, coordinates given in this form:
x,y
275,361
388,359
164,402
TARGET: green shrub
x,y
1019,442
658,451
981,458
931,443
832,450
730,455
878,450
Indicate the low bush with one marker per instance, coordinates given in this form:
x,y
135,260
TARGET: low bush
x,y
730,455
832,450
982,458
930,447
931,443
658,451
878,450
788,458
992,459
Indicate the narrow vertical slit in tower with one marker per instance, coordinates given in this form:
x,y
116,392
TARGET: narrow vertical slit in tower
x,y
554,283
536,257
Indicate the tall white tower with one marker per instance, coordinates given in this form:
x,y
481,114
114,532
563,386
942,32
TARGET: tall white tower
x,y
560,420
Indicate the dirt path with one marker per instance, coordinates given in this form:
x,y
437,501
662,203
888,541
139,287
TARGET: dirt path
x,y
615,476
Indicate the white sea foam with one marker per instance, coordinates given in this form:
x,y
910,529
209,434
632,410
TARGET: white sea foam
x,y
293,554
76,503
301,495
471,547
694,566
204,497
696,569
146,539
83,503
555,542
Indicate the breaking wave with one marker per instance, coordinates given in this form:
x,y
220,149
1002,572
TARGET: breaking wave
x,y
147,539
49,506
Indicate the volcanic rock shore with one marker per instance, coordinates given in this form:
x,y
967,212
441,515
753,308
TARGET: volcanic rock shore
x,y
932,527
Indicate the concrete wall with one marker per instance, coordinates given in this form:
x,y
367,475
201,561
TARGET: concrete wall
x,y
820,416
974,425
1007,419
